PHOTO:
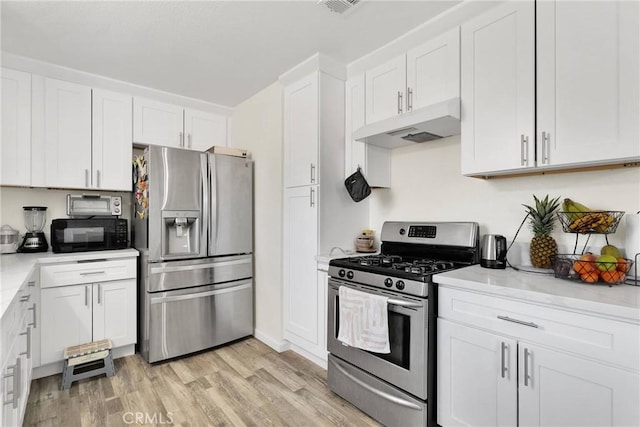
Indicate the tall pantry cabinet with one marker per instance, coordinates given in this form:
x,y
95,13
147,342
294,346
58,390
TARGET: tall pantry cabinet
x,y
318,212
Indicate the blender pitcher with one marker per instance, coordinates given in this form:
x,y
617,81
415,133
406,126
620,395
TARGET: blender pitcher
x,y
34,219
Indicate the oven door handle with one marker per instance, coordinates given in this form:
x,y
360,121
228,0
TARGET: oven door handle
x,y
401,303
377,392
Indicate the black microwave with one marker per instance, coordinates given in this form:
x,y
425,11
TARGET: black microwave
x,y
90,234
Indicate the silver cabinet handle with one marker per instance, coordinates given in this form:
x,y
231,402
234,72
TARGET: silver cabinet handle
x,y
28,350
98,178
503,366
86,177
89,273
25,298
86,296
99,292
312,170
524,145
519,322
31,283
409,99
15,392
312,194
181,139
33,324
189,139
545,147
399,102
526,367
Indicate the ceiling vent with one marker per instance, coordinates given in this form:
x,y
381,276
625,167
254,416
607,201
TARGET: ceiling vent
x,y
339,6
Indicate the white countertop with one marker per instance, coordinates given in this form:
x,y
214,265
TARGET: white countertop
x,y
15,268
618,301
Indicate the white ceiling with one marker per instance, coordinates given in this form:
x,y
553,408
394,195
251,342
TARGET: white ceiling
x,y
219,51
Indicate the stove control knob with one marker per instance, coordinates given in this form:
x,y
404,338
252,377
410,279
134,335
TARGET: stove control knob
x,y
402,231
341,273
400,285
350,275
388,282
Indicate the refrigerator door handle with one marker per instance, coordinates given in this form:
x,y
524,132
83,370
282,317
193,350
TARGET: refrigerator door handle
x,y
213,215
204,160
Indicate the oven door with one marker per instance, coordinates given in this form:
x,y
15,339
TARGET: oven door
x,y
406,366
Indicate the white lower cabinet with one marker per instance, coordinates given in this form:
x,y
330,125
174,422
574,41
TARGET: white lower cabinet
x,y
508,373
80,314
17,352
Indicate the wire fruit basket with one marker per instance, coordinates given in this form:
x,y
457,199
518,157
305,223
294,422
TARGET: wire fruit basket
x,y
602,222
580,268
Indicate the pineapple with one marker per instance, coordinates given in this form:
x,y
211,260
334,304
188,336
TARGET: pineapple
x,y
543,248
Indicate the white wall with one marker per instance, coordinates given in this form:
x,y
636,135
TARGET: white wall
x,y
426,185
257,127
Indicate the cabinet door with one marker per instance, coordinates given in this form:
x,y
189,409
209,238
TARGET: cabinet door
x,y
114,312
588,87
157,123
9,386
558,389
15,166
477,377
66,320
498,90
67,134
374,161
301,132
300,249
204,130
385,90
112,140
433,71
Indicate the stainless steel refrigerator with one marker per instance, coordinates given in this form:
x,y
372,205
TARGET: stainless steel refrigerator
x,y
193,226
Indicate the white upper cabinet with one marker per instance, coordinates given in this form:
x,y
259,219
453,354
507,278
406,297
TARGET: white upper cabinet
x,y
587,81
385,90
301,132
204,130
433,71
584,73
425,75
374,161
111,141
498,90
16,128
67,134
158,123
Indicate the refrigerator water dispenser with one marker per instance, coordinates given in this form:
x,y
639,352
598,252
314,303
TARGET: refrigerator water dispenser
x,y
181,231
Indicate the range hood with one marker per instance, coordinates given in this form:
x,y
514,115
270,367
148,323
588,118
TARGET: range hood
x,y
425,124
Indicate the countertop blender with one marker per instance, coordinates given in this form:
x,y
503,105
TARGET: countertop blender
x,y
34,240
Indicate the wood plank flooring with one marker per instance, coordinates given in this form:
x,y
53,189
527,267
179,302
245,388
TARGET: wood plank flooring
x,y
242,384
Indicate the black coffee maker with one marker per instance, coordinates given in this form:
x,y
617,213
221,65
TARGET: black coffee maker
x,y
34,240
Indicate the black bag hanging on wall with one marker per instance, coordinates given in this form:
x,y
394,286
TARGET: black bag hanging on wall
x,y
357,186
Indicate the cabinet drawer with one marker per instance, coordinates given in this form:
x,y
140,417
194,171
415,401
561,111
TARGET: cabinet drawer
x,y
91,272
608,340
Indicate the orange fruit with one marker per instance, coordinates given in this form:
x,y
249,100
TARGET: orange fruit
x,y
590,277
612,276
623,265
584,267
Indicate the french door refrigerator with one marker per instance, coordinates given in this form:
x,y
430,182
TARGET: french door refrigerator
x,y
193,226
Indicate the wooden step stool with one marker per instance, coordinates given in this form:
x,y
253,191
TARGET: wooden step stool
x,y
86,361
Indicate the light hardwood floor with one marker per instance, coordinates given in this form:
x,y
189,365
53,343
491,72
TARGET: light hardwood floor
x,y
245,383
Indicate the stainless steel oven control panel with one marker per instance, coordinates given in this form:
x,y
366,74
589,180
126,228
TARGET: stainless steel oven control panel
x,y
87,205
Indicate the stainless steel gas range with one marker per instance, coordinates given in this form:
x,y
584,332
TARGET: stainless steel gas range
x,y
397,388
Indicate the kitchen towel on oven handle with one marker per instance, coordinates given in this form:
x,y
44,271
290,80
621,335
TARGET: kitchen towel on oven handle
x,y
357,186
364,321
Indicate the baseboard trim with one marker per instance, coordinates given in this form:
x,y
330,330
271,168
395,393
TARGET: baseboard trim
x,y
277,345
307,355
